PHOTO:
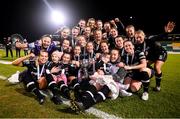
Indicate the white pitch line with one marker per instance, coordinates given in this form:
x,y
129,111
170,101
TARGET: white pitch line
x,y
5,62
96,112
2,77
101,114
173,52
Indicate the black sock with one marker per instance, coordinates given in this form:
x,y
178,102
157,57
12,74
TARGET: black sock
x,y
105,90
76,86
158,79
145,86
77,91
92,89
74,81
85,84
99,97
102,94
64,90
88,99
32,87
37,93
145,81
54,88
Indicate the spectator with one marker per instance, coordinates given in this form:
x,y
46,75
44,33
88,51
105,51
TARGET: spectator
x,y
8,45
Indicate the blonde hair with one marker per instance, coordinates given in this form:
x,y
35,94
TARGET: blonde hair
x,y
59,54
140,32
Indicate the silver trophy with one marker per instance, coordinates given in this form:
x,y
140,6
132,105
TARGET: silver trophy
x,y
84,68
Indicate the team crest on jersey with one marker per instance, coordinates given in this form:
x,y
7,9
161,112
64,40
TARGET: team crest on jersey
x,y
160,57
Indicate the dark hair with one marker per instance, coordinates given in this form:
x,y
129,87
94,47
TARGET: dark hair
x,y
122,36
68,54
104,41
43,50
128,41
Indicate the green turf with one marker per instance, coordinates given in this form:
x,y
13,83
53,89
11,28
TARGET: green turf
x,y
9,58
15,102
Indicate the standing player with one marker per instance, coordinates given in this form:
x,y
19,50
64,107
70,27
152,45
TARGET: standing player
x,y
154,52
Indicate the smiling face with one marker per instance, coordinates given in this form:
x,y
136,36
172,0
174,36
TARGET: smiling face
x,y
43,57
114,55
119,42
98,35
66,44
82,23
75,32
139,37
66,58
77,50
81,41
107,26
65,33
90,47
55,58
114,32
91,22
87,31
99,24
129,47
104,47
46,42
130,31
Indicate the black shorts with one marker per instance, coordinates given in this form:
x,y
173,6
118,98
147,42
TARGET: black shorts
x,y
137,75
29,78
162,56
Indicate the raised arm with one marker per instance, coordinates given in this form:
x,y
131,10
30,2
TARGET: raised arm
x,y
18,62
168,28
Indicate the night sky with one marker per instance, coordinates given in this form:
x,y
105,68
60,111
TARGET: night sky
x,y
31,18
